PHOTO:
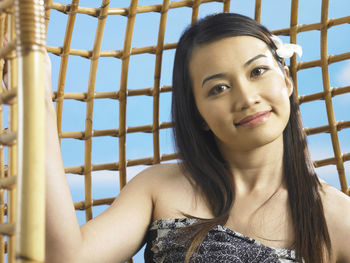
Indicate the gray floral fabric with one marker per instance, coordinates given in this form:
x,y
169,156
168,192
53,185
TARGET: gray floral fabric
x,y
166,245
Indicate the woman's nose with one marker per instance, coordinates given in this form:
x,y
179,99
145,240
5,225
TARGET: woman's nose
x,y
245,95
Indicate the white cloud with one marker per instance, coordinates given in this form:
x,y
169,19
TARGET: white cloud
x,y
320,149
329,174
344,74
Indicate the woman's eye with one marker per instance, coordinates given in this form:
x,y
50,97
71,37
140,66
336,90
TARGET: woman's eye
x,y
258,71
218,89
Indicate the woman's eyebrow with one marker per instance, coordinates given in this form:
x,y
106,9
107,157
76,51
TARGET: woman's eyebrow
x,y
215,76
220,75
252,59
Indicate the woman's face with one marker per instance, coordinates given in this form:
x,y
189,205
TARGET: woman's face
x,y
240,91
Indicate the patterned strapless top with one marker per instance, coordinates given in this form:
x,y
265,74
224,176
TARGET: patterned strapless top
x,y
221,244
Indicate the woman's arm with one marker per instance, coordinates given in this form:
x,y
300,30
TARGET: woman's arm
x,y
337,211
113,236
341,224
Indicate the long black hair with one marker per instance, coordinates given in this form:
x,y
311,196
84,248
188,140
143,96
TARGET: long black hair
x,y
204,164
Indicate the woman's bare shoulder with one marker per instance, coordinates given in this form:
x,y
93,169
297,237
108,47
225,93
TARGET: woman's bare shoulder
x,y
337,212
333,198
172,194
162,173
161,176
149,181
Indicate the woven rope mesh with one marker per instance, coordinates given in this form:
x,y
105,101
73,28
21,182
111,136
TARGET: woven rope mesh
x,y
112,66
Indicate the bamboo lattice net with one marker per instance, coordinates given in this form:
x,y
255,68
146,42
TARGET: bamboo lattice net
x,y
125,91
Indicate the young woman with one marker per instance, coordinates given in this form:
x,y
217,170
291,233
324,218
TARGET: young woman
x,y
245,189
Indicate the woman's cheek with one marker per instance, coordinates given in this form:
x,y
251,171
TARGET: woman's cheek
x,y
278,92
215,118
279,100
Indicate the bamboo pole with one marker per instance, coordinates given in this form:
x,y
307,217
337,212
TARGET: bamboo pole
x,y
80,135
48,4
339,125
30,29
293,39
328,97
3,19
116,166
156,84
12,150
31,216
123,91
110,53
257,12
90,104
82,96
226,7
195,10
64,61
320,95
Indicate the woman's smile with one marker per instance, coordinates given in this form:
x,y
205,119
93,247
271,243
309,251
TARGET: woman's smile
x,y
254,119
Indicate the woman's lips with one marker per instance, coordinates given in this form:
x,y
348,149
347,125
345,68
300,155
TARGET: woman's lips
x,y
254,119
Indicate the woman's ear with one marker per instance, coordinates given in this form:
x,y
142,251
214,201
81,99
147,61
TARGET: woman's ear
x,y
288,81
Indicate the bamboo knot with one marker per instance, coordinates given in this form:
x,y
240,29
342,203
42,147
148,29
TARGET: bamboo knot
x,y
131,12
8,138
87,170
115,134
149,92
9,97
155,129
116,96
87,205
125,54
8,229
329,59
87,136
67,9
8,182
105,5
6,51
122,94
164,9
121,133
102,12
3,209
330,22
74,7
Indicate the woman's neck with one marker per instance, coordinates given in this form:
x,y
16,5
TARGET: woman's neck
x,y
258,169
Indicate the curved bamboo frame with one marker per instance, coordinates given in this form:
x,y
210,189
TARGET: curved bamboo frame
x,y
24,54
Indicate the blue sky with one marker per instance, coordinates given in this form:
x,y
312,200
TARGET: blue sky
x,y
275,15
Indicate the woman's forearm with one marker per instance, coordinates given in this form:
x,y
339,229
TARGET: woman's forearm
x,y
63,236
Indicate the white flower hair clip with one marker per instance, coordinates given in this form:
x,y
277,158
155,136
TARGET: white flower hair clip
x,y
285,50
